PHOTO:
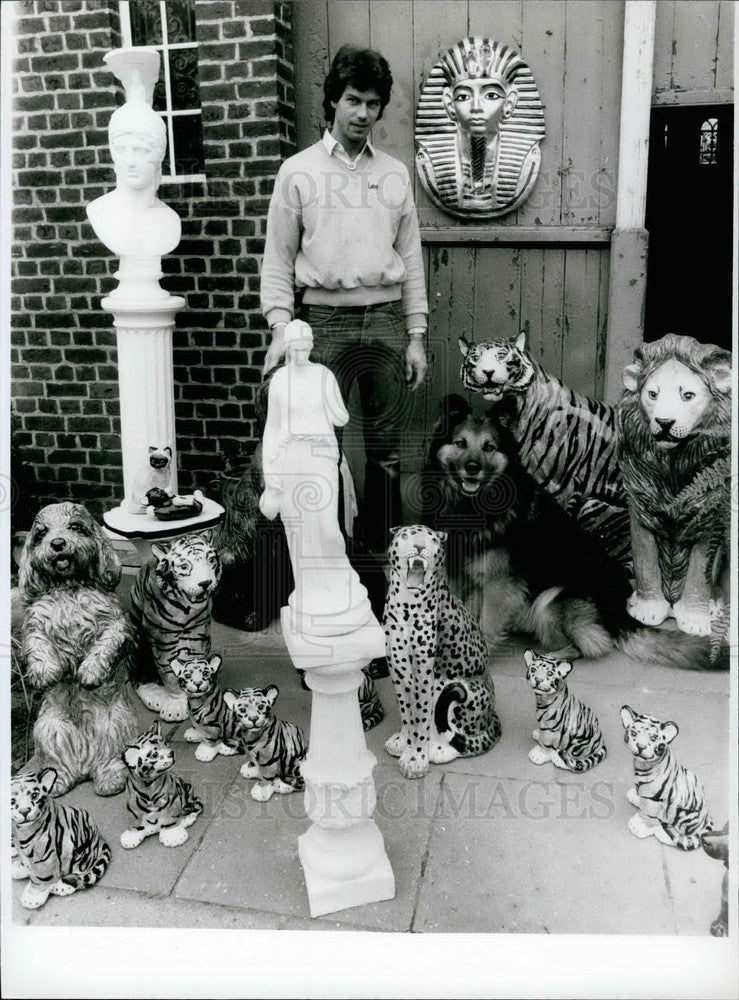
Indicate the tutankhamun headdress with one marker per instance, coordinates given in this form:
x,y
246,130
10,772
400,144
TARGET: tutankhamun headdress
x,y
508,180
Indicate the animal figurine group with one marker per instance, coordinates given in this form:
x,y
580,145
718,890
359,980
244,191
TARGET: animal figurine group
x,y
170,609
436,655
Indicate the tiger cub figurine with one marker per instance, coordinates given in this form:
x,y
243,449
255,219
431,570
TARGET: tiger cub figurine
x,y
57,847
213,723
669,797
159,801
276,749
569,734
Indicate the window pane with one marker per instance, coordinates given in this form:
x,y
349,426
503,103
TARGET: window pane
x,y
159,101
180,21
183,76
146,24
188,144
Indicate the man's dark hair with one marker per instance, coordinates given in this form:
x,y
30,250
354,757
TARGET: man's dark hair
x,y
363,69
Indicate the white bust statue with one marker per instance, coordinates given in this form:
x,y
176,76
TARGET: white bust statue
x,y
130,220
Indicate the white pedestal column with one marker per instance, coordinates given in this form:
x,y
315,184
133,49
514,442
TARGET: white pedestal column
x,y
343,852
146,379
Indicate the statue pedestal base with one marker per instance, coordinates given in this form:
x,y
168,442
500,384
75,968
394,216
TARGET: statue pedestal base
x,y
343,852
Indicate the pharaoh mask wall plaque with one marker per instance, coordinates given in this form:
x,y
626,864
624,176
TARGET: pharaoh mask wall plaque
x,y
478,127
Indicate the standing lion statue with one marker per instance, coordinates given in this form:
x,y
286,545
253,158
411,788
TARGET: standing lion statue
x,y
674,426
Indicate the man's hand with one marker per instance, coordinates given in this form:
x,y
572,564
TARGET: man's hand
x,y
276,349
415,362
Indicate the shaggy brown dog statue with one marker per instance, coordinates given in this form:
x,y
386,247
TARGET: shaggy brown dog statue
x,y
76,647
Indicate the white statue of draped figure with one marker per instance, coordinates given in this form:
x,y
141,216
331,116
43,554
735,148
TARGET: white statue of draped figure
x,y
300,462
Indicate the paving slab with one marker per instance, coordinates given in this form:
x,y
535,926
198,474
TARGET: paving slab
x,y
105,907
517,858
249,855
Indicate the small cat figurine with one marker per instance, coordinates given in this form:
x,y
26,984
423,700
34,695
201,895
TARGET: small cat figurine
x,y
716,845
569,733
276,749
57,847
213,723
669,797
160,801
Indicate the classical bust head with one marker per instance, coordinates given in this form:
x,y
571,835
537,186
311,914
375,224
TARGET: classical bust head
x,y
478,127
130,220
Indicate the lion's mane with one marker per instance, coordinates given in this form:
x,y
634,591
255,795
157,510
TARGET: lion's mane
x,y
661,483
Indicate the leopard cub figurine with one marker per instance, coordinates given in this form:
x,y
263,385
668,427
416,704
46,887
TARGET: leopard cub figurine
x,y
436,654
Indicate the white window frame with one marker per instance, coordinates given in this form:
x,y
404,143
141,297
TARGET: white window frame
x,y
164,48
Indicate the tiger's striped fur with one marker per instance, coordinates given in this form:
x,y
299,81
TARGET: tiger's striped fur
x,y
669,797
171,608
214,726
58,847
566,441
159,801
276,749
569,733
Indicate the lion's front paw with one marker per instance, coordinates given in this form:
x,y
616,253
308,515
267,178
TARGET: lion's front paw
x,y
695,619
648,610
413,765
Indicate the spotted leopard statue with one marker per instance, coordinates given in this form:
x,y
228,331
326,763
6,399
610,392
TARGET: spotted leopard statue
x,y
436,655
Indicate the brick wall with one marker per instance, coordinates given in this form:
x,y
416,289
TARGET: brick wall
x,y
65,412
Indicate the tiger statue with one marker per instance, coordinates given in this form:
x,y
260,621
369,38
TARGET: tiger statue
x,y
57,847
566,441
159,800
276,749
170,609
213,724
437,659
669,797
569,734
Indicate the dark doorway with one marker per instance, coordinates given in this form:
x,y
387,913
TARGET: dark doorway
x,y
689,219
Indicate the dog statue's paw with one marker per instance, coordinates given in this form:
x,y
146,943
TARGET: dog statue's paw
x,y
442,753
396,744
413,765
110,780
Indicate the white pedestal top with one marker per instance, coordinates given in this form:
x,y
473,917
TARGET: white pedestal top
x,y
146,526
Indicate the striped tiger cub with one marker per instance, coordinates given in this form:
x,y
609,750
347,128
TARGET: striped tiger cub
x,y
57,847
566,441
569,734
276,749
159,801
213,723
669,798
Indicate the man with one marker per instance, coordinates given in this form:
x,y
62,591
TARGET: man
x,y
342,233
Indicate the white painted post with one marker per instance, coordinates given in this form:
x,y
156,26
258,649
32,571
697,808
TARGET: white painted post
x,y
629,241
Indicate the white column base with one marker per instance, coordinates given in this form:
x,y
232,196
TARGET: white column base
x,y
345,868
343,852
